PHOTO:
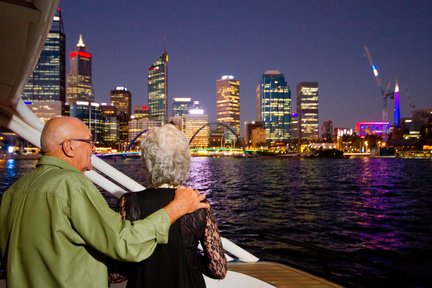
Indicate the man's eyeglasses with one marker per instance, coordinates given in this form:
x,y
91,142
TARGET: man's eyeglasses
x,y
88,141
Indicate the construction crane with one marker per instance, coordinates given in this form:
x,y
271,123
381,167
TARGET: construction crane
x,y
384,93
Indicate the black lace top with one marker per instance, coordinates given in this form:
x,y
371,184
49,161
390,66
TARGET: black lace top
x,y
177,263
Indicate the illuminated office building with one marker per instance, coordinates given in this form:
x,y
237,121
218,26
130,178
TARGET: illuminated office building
x,y
121,98
79,78
228,102
181,106
110,129
91,114
295,125
192,123
307,107
158,89
274,101
137,126
140,111
45,90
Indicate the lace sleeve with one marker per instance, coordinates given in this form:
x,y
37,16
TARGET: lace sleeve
x,y
117,269
213,250
121,207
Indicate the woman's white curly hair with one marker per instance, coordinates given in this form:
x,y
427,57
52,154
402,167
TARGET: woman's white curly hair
x,y
166,155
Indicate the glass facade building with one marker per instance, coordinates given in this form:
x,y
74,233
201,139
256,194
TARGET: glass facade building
x,y
158,89
45,90
307,108
79,79
274,100
228,102
121,98
181,106
192,123
91,114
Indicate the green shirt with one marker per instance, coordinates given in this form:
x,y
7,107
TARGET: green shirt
x,y
56,230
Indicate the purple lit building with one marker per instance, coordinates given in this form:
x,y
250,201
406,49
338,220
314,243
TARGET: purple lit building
x,y
373,128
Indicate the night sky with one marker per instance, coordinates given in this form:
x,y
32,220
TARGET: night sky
x,y
318,40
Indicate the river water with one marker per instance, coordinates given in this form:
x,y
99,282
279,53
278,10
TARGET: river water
x,y
361,222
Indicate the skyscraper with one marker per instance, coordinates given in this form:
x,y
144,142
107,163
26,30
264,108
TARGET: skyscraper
x,y
158,89
79,79
274,98
46,88
307,107
121,98
396,112
228,102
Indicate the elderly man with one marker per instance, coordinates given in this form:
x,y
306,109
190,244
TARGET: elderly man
x,y
55,227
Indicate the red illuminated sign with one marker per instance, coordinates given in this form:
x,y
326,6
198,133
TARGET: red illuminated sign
x,y
81,54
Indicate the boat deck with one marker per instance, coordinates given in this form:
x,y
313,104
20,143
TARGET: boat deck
x,y
280,275
275,274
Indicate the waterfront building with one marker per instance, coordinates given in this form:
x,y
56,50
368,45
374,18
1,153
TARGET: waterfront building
x,y
378,128
137,126
423,117
121,98
340,134
46,109
140,111
295,134
45,90
181,106
255,134
79,78
192,123
327,131
307,108
274,98
228,102
216,137
91,114
110,127
158,89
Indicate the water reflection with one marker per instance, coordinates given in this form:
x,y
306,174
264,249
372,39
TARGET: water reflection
x,y
11,170
376,208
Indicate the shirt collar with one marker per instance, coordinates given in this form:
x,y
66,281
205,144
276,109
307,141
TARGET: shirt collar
x,y
54,161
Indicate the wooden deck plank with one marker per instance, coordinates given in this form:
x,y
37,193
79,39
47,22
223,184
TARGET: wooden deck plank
x,y
280,275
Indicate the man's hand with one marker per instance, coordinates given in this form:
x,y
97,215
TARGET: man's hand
x,y
186,201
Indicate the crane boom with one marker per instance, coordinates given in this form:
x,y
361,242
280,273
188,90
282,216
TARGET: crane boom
x,y
383,93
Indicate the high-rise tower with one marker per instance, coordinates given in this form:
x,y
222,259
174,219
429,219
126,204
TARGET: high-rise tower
x,y
158,89
79,79
307,108
121,99
396,112
274,98
46,88
228,102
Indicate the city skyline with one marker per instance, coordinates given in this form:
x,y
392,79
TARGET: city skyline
x,y
306,41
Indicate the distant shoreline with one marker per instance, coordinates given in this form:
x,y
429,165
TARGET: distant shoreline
x,y
20,157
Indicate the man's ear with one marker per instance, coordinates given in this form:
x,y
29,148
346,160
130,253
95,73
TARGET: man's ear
x,y
68,149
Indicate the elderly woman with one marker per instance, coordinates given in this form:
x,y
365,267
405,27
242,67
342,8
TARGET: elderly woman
x,y
177,264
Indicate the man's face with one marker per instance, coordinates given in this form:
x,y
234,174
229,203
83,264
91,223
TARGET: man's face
x,y
84,145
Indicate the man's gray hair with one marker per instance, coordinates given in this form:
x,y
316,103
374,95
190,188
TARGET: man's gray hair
x,y
166,155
